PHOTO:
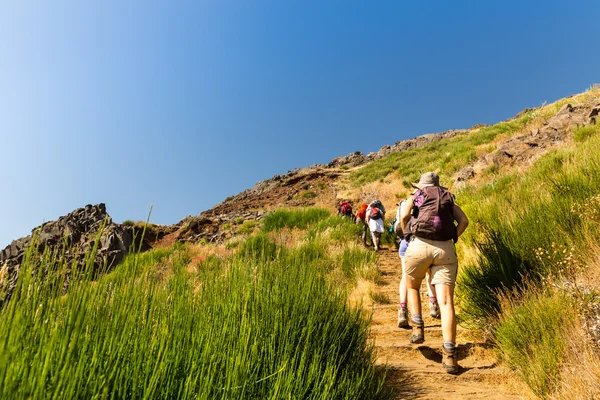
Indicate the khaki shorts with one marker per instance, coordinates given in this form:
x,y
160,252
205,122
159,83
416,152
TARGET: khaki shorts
x,y
440,256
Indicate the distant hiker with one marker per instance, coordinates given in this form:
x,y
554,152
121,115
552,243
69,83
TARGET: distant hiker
x,y
428,225
378,204
434,309
361,220
345,210
375,218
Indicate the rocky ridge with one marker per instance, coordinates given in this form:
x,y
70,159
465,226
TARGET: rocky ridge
x,y
71,237
523,149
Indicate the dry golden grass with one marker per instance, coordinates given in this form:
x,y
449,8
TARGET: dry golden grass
x,y
580,376
360,294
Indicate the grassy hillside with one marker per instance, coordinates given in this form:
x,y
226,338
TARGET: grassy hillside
x,y
266,318
270,313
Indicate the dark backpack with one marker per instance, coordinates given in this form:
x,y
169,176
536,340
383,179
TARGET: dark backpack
x,y
432,215
375,213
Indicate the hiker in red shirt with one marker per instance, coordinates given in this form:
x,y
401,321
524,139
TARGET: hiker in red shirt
x,y
361,220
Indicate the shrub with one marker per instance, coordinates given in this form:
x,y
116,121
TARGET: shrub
x,y
128,222
531,337
247,227
309,194
259,248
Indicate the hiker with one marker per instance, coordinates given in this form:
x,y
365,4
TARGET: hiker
x,y
434,309
361,220
428,226
375,218
345,210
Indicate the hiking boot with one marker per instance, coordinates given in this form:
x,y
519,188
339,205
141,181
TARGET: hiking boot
x,y
434,309
403,318
449,361
418,334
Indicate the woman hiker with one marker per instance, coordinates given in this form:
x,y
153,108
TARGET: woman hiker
x,y
428,225
434,309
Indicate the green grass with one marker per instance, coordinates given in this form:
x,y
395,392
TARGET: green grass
x,y
263,323
300,218
247,227
531,338
309,194
580,134
514,217
446,157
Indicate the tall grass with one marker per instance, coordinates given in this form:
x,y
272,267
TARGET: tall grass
x,y
301,218
265,323
531,337
528,225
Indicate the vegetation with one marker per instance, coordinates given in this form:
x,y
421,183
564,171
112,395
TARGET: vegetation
x,y
522,232
531,337
445,157
284,329
309,194
293,218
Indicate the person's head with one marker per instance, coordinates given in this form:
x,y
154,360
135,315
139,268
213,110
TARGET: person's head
x,y
428,179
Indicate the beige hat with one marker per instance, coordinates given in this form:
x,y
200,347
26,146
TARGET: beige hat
x,y
428,179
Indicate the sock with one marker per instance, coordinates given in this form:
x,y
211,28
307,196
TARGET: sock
x,y
416,318
449,346
403,306
432,299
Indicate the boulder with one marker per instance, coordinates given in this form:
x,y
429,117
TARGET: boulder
x,y
71,237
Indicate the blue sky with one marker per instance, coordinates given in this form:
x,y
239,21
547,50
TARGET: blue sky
x,y
183,103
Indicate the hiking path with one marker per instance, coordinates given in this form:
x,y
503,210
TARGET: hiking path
x,y
415,371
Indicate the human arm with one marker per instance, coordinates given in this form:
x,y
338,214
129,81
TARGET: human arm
x,y
461,218
405,213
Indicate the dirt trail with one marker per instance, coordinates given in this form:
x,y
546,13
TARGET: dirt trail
x,y
415,371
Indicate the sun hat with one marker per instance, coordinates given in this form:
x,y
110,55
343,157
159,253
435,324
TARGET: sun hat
x,y
428,179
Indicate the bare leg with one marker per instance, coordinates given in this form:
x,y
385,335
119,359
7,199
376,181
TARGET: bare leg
x,y
402,289
446,302
430,287
375,237
402,310
414,297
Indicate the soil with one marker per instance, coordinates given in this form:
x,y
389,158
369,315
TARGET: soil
x,y
415,371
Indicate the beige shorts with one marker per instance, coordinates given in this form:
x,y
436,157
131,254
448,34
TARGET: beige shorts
x,y
440,256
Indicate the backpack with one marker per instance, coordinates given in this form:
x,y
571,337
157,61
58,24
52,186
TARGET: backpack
x,y
361,214
375,213
378,204
345,208
391,228
432,215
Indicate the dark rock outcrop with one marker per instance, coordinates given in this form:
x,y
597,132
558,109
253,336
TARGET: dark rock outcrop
x,y
71,237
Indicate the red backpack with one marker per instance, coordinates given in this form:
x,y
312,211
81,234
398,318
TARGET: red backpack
x,y
375,213
345,208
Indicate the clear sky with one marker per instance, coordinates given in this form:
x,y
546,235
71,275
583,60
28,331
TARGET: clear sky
x,y
183,103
